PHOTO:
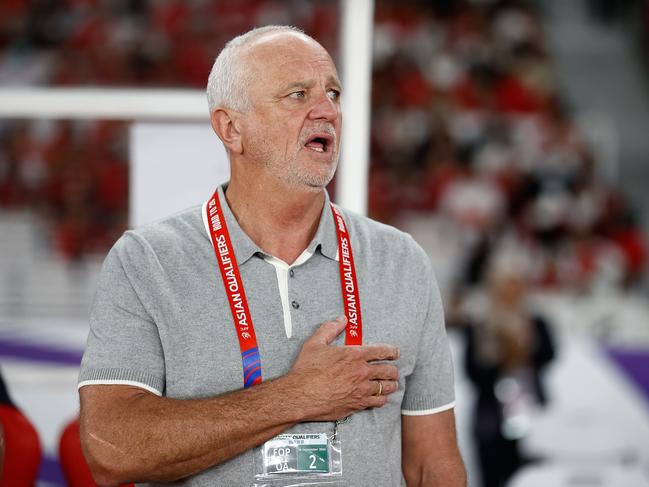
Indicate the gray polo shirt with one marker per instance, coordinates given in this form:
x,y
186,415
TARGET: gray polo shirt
x,y
161,321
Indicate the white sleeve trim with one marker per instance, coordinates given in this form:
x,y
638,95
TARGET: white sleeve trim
x,y
110,382
424,412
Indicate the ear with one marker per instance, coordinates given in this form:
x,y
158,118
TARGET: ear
x,y
225,126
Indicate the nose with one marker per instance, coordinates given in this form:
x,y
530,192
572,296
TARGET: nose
x,y
325,108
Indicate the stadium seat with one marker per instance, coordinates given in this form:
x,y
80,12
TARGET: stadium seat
x,y
74,466
22,449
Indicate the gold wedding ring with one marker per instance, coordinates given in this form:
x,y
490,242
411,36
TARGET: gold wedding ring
x,y
380,393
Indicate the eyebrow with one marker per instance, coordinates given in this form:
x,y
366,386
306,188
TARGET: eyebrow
x,y
332,80
335,81
299,84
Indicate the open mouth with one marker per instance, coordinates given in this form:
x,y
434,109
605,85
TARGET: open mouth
x,y
319,143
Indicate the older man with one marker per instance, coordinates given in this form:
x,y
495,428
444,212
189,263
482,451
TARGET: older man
x,y
214,355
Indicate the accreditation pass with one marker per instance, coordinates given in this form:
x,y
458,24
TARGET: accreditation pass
x,y
297,453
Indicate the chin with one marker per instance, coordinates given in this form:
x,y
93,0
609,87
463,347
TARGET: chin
x,y
311,182
315,185
315,180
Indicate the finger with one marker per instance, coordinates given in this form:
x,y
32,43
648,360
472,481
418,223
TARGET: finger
x,y
375,401
389,387
380,352
329,330
386,388
384,372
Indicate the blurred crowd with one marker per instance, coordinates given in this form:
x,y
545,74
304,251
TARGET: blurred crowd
x,y
74,175
138,42
467,124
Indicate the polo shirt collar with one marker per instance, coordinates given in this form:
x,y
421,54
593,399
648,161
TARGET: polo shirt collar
x,y
325,239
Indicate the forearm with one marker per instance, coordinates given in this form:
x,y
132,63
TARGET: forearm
x,y
154,439
449,473
431,457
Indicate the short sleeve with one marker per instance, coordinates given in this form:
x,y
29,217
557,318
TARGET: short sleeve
x,y
123,344
430,387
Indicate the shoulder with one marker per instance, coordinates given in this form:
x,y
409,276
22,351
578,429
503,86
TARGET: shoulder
x,y
170,234
384,241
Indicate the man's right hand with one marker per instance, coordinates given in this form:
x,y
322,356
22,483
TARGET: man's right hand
x,y
337,381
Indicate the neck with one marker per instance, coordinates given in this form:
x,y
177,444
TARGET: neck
x,y
280,220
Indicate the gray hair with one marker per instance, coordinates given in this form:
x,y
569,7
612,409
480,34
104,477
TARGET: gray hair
x,y
227,85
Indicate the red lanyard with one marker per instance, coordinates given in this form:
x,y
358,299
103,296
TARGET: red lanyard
x,y
348,283
234,289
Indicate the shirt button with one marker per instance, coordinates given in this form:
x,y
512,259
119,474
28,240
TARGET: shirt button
x,y
295,304
291,273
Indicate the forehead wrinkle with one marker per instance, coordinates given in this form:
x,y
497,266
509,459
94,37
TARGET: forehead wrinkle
x,y
300,84
300,60
282,49
306,73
